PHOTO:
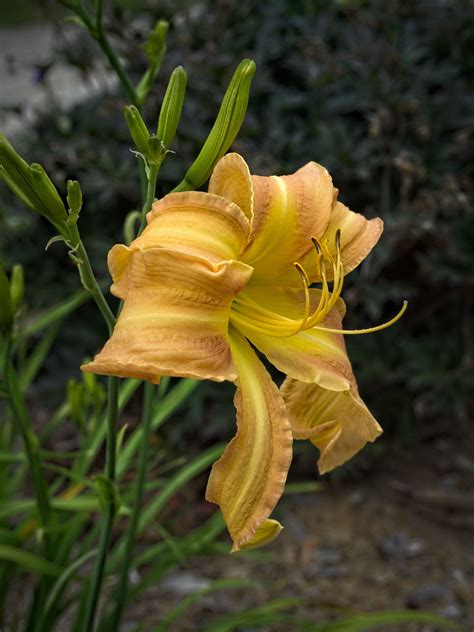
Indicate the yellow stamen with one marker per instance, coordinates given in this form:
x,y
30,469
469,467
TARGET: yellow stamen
x,y
248,313
307,299
369,330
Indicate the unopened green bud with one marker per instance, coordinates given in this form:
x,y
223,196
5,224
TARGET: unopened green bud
x,y
226,127
15,174
31,184
74,196
6,311
172,105
47,192
155,49
17,287
137,127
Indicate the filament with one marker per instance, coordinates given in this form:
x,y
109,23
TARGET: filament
x,y
249,314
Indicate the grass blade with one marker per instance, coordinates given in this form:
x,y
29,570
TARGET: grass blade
x,y
28,561
187,602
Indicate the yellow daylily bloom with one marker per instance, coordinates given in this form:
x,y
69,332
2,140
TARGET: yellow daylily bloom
x,y
214,275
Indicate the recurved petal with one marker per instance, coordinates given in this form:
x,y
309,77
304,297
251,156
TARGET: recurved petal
x,y
118,261
249,478
175,318
338,423
311,355
358,235
287,212
198,223
231,179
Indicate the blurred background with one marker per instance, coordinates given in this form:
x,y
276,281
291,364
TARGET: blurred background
x,y
381,94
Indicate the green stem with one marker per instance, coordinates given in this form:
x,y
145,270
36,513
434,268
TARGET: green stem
x,y
150,194
122,587
96,29
87,624
31,443
111,55
148,397
88,277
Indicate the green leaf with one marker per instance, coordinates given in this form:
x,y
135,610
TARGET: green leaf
x,y
28,561
17,287
264,615
362,622
164,409
57,313
6,312
162,557
177,481
187,602
62,581
36,358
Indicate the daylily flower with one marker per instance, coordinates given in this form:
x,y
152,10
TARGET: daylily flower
x,y
214,275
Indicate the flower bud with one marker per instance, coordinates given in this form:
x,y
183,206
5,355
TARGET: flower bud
x,y
17,287
6,312
138,129
31,184
47,191
155,49
226,127
171,107
74,197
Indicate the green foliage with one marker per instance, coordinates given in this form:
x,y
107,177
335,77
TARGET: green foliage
x,y
357,86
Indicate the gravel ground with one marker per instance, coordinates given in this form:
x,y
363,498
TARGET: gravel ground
x,y
400,538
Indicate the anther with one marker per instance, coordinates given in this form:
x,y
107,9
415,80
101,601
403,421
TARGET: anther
x,y
316,245
302,272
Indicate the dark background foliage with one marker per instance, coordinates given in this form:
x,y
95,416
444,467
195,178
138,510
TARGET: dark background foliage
x,y
377,92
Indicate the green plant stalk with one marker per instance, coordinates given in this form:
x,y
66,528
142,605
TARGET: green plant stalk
x,y
87,623
146,423
104,43
122,587
88,278
150,194
96,29
31,443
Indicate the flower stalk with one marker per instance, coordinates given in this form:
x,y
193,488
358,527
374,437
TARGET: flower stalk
x,y
122,587
87,623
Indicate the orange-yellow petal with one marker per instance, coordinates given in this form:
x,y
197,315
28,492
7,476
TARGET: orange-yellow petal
x,y
358,236
338,423
201,224
231,179
249,478
311,355
118,261
175,318
287,212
